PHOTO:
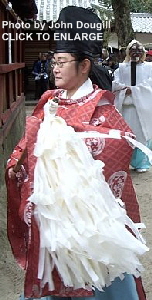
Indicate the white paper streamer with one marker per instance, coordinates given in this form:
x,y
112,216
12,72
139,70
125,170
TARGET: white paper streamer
x,y
82,227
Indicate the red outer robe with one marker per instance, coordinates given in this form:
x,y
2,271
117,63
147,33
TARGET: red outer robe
x,y
83,115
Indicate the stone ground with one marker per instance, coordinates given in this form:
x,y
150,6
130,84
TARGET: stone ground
x,y
11,276
142,183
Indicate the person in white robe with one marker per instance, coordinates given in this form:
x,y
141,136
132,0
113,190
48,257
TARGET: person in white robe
x,y
134,100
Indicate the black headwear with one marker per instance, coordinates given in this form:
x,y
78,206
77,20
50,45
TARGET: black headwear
x,y
78,22
70,18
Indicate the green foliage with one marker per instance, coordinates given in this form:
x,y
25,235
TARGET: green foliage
x,y
141,6
138,6
105,12
106,3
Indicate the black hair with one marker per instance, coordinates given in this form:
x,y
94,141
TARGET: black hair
x,y
98,74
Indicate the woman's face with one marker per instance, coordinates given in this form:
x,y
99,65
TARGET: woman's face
x,y
68,75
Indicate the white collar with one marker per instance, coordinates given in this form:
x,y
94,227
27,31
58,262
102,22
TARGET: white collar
x,y
85,89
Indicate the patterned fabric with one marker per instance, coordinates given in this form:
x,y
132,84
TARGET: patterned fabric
x,y
83,115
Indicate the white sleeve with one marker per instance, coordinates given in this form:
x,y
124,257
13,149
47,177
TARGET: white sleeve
x,y
116,85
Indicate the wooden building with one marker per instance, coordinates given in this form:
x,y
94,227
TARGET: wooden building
x,y
12,108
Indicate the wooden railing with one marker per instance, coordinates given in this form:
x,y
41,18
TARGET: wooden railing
x,y
11,95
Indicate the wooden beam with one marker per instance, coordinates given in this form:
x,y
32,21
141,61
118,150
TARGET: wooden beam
x,y
6,68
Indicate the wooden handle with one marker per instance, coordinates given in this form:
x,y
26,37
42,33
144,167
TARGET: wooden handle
x,y
20,161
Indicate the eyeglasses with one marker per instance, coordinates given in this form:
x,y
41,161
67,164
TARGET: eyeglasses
x,y
60,64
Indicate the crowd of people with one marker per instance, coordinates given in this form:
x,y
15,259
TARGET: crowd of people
x,y
71,198
42,69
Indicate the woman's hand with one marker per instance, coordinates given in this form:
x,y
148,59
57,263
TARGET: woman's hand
x,y
11,173
13,170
